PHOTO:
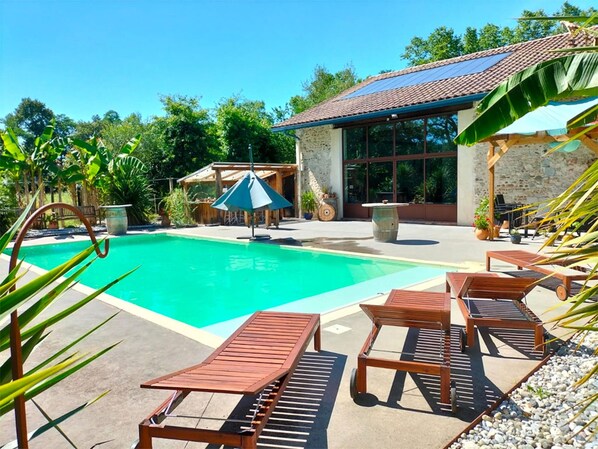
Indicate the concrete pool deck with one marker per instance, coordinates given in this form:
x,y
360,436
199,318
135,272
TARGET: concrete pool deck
x,y
399,410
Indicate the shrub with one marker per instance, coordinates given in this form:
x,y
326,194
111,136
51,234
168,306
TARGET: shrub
x,y
177,206
128,184
308,201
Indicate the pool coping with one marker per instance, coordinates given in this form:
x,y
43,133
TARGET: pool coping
x,y
213,340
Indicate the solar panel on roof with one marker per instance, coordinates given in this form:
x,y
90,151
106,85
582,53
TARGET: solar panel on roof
x,y
453,70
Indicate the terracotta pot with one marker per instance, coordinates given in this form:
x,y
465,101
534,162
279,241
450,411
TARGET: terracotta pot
x,y
482,234
496,232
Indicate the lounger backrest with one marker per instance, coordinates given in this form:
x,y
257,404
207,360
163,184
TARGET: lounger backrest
x,y
410,314
497,287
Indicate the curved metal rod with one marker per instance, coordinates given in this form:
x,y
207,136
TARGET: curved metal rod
x,y
15,331
29,222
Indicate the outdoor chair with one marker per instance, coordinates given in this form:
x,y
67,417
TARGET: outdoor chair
x,y
488,300
260,356
539,263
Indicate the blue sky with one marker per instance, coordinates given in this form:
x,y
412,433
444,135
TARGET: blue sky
x,y
86,57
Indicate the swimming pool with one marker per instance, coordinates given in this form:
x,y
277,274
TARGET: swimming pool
x,y
204,282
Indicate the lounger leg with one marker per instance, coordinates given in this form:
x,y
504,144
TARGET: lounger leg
x,y
318,339
487,263
539,338
145,439
470,329
249,441
445,384
362,384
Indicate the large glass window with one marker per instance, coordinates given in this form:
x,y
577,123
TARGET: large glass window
x,y
441,180
380,185
410,181
354,143
380,140
355,182
421,168
410,137
440,133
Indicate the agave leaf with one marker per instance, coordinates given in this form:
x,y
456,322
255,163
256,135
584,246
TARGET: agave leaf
x,y
26,349
50,425
69,346
66,312
34,310
13,300
12,231
17,387
11,280
40,388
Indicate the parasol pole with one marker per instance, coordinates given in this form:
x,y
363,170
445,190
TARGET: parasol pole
x,y
252,212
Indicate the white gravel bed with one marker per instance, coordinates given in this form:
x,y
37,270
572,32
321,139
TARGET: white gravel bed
x,y
542,413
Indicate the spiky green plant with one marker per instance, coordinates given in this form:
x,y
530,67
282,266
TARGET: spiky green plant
x,y
31,299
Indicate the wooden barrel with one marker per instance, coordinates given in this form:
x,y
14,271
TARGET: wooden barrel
x,y
116,220
385,223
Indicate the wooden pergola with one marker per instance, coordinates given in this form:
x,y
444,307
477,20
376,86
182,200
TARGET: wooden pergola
x,y
500,144
226,174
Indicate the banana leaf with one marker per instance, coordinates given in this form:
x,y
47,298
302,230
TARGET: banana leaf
x,y
567,76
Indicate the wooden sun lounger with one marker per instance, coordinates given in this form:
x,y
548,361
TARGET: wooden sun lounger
x,y
261,354
407,308
537,263
507,310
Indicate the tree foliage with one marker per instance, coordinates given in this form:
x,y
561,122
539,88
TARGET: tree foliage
x,y
322,86
444,43
242,122
186,136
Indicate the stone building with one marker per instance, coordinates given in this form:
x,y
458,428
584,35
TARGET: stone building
x,y
391,138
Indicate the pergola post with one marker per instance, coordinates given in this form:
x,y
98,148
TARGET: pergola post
x,y
218,176
278,188
491,188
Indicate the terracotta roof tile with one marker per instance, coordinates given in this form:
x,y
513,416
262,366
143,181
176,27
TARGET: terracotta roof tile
x,y
522,55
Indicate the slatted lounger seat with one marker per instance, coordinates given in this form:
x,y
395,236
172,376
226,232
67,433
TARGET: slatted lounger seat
x,y
488,300
407,308
262,353
537,263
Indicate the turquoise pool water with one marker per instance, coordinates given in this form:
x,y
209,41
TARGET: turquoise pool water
x,y
202,282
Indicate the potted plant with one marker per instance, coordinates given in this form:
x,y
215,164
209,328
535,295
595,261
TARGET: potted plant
x,y
482,226
481,222
515,236
53,221
308,204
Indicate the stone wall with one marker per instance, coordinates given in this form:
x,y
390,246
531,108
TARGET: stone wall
x,y
527,175
316,158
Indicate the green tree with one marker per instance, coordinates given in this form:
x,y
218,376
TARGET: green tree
x,y
186,136
322,86
29,120
443,43
243,122
85,130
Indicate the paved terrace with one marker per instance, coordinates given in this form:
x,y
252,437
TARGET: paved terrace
x,y
398,411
